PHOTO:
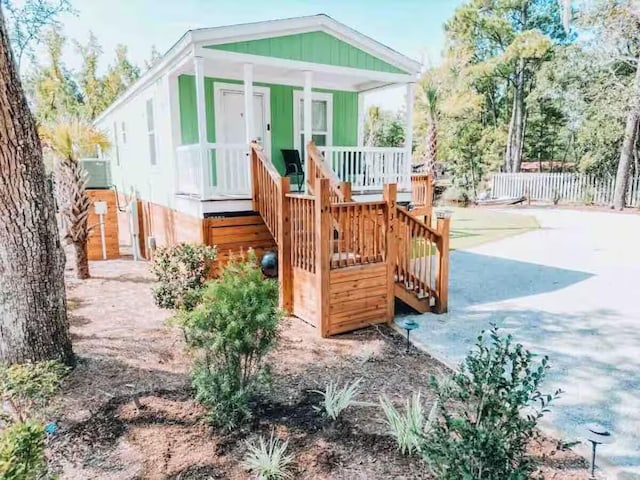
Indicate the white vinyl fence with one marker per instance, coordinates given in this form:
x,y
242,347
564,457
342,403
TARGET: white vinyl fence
x,y
566,187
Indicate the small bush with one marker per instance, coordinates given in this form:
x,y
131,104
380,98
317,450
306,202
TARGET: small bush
x,y
487,413
22,451
25,388
268,460
24,391
408,428
335,400
232,330
181,271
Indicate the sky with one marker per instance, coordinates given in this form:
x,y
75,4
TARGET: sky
x,y
412,27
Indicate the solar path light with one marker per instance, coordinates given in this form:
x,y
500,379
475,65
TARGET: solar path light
x,y
408,324
597,435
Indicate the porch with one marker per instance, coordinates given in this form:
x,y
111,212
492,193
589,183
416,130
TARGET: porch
x,y
293,103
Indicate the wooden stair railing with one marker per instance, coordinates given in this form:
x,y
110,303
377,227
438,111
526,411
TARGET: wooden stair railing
x,y
422,262
340,191
269,198
325,237
422,196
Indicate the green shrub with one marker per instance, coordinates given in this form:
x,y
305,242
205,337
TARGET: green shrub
x,y
336,400
268,460
232,330
24,391
487,413
25,388
409,427
22,451
181,271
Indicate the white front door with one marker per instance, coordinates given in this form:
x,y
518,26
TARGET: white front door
x,y
230,121
232,167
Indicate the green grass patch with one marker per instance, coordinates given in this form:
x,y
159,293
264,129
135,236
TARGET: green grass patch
x,y
474,226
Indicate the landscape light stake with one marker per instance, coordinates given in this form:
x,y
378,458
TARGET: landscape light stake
x,y
409,324
596,434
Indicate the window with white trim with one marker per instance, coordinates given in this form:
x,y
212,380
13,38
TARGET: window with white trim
x,y
116,151
321,119
151,133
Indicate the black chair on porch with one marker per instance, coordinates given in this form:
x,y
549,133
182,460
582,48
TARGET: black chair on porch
x,y
293,166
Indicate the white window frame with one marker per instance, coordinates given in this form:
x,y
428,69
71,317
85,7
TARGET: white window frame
x,y
116,148
298,96
151,132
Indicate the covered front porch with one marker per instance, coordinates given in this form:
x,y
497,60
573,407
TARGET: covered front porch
x,y
226,99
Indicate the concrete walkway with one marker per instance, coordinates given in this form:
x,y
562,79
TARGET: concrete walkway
x,y
570,290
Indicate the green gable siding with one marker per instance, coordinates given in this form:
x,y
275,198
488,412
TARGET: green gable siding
x,y
345,115
314,47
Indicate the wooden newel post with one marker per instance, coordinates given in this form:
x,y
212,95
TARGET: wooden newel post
x,y
323,244
390,193
285,269
442,275
253,159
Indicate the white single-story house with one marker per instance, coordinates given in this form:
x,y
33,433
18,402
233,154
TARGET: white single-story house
x,y
180,134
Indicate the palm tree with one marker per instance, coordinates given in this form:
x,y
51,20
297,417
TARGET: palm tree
x,y
372,126
431,106
68,141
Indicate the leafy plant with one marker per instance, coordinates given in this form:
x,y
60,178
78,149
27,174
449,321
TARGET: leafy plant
x,y
487,413
25,388
232,330
181,271
408,428
22,451
269,460
335,400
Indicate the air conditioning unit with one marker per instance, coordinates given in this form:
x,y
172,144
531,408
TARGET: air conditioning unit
x,y
99,172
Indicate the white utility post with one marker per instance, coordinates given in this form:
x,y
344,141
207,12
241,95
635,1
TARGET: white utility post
x,y
361,119
248,103
205,170
408,135
308,119
101,210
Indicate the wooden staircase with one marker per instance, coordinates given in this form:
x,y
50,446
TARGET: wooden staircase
x,y
343,263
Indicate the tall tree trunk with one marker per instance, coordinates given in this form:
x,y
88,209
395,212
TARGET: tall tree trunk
x,y
515,139
33,309
82,260
628,146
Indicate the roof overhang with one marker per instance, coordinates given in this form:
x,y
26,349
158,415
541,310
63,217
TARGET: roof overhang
x,y
191,43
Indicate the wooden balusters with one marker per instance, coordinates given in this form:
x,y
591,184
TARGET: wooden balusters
x,y
301,208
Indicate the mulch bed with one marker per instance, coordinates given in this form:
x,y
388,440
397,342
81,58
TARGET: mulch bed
x,y
127,411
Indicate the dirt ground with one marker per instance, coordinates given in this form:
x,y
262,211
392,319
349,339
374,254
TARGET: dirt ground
x,y
127,410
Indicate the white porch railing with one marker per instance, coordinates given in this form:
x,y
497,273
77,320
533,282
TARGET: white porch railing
x,y
369,168
216,170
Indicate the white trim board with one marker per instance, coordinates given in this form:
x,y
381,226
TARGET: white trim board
x,y
299,95
184,48
219,87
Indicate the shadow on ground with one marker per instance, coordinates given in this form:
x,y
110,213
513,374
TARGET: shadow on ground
x,y
593,352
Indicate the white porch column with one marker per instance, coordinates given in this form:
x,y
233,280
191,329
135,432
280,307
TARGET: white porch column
x,y
248,103
205,172
361,119
308,127
408,135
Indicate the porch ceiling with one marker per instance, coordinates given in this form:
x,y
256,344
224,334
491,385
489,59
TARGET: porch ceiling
x,y
233,69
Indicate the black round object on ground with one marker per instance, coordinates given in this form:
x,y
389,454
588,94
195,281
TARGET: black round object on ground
x,y
269,264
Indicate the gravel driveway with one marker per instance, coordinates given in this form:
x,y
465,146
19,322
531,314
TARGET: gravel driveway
x,y
570,290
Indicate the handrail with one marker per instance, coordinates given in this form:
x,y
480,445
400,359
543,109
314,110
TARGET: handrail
x,y
340,191
268,191
415,264
422,190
